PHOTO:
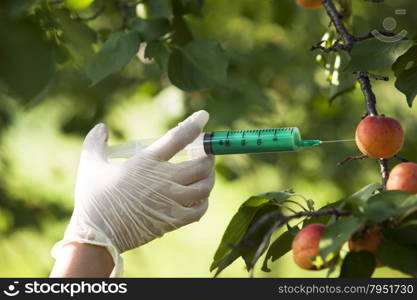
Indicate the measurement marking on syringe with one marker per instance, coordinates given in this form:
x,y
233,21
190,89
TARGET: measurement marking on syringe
x,y
238,141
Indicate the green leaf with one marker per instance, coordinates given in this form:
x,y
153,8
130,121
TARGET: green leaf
x,y
334,265
374,54
158,51
77,37
257,240
278,248
405,61
117,52
241,222
337,234
277,197
358,265
310,204
359,25
150,29
293,230
406,235
27,61
183,7
398,256
409,219
357,202
323,219
365,193
405,69
158,9
407,84
181,35
236,229
389,205
199,65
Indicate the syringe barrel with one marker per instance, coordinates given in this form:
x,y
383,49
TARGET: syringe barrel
x,y
226,142
252,141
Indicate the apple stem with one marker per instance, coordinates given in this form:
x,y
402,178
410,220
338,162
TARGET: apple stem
x,y
383,163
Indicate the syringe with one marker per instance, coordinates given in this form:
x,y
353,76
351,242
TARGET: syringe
x,y
229,142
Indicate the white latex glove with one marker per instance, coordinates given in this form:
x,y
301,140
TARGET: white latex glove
x,y
122,206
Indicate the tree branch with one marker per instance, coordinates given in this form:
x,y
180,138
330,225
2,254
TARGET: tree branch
x,y
280,220
351,158
363,77
370,99
373,76
337,21
335,48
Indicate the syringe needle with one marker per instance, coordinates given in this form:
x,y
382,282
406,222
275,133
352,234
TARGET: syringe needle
x,y
337,141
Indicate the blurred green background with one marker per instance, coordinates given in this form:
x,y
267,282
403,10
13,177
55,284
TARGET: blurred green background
x,y
274,81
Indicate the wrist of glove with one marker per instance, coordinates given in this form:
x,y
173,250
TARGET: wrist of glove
x,y
125,205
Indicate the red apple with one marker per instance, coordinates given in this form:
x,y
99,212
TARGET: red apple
x,y
379,137
403,177
369,240
305,245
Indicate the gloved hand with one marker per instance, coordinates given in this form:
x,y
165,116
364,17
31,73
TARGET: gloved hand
x,y
125,205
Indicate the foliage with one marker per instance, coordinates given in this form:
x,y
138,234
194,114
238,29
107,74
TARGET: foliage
x,y
247,63
375,207
364,209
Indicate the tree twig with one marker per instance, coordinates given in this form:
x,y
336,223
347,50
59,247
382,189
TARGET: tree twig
x,y
335,48
337,20
280,220
363,76
373,76
366,87
351,158
401,158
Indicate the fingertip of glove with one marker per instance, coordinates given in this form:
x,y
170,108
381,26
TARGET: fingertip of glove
x,y
100,131
199,118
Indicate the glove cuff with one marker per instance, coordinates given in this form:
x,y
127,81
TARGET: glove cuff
x,y
90,236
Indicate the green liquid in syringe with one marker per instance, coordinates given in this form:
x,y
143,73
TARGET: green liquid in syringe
x,y
255,141
231,142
